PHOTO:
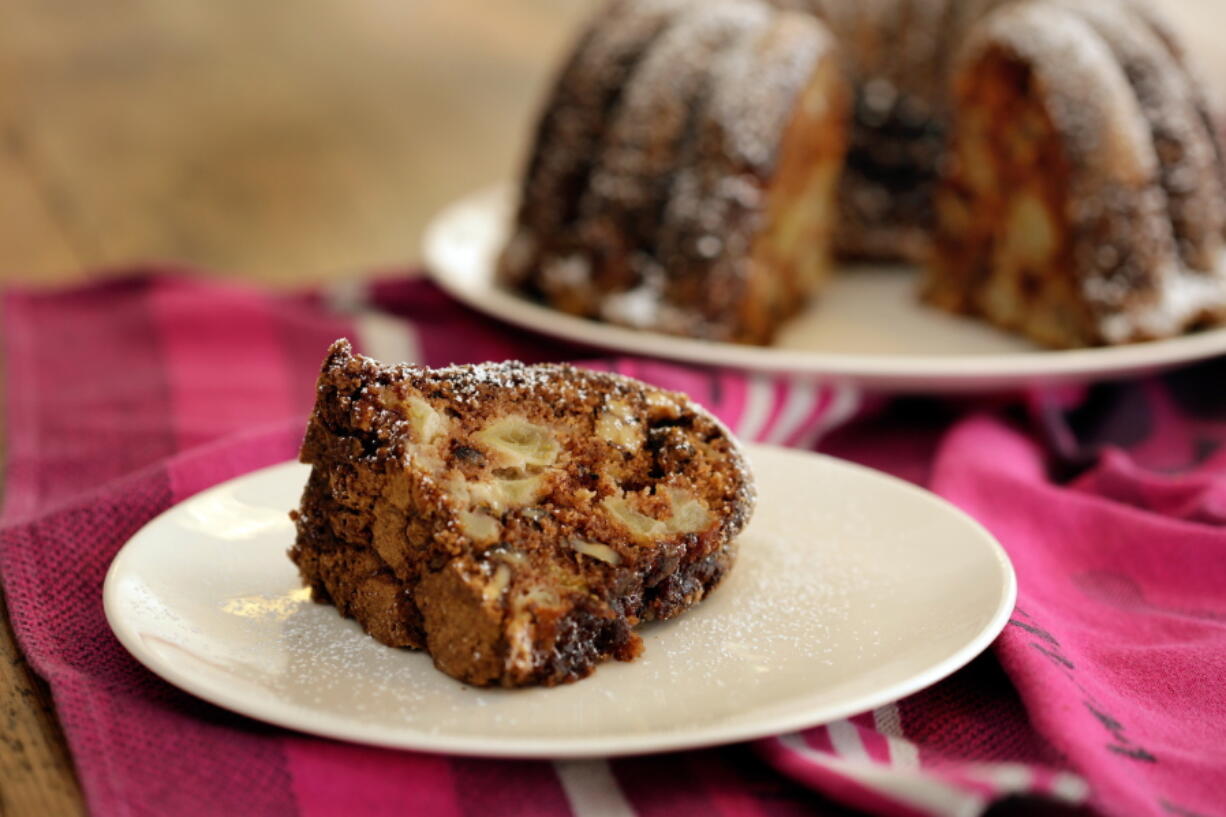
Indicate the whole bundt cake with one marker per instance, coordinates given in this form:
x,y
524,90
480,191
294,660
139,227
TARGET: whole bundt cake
x,y
1053,164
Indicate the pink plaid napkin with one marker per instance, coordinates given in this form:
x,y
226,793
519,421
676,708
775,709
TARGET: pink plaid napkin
x,y
1104,695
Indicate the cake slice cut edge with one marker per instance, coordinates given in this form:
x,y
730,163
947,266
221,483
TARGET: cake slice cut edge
x,y
516,522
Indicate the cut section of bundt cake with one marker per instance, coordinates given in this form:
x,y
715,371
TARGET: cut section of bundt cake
x,y
706,207
1083,204
897,54
517,522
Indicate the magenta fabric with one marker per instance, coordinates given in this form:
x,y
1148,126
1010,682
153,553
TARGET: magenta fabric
x,y
1103,696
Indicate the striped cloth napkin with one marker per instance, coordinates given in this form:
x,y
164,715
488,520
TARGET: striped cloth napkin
x,y
1105,694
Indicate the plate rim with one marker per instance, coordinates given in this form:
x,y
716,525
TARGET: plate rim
x,y
927,373
278,713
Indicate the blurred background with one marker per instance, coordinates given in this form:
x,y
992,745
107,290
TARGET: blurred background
x,y
286,142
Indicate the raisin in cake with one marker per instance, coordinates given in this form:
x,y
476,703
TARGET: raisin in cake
x,y
699,161
517,522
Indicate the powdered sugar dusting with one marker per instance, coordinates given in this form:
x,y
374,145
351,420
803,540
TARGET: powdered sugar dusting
x,y
1184,298
639,307
573,123
1089,98
754,88
648,129
1184,145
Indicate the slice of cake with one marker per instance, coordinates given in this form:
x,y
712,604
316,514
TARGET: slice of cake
x,y
514,521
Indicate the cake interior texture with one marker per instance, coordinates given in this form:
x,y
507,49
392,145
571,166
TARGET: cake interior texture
x,y
1054,166
517,522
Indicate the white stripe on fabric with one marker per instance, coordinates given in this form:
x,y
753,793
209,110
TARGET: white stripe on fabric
x,y
798,404
348,296
381,336
759,392
591,789
910,788
846,739
389,339
1069,787
1006,777
903,753
843,405
888,720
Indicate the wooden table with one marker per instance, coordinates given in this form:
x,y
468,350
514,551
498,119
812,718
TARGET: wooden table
x,y
287,143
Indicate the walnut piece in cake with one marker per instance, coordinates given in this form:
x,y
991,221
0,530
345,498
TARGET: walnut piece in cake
x,y
517,522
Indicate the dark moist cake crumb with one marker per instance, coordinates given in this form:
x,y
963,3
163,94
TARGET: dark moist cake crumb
x,y
517,522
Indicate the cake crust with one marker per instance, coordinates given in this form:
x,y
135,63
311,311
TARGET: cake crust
x,y
571,128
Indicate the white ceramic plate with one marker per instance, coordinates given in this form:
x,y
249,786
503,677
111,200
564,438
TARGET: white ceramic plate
x,y
835,607
867,327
